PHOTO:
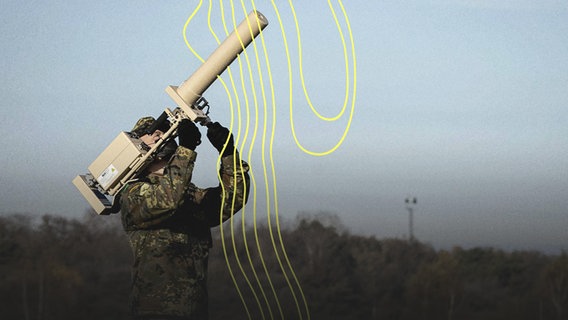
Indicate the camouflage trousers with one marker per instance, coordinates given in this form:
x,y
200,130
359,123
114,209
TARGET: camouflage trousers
x,y
169,276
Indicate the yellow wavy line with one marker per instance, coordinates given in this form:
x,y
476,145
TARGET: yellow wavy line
x,y
255,99
301,66
232,226
237,138
218,163
289,65
344,135
184,31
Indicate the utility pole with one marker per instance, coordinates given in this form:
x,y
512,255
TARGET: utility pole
x,y
410,203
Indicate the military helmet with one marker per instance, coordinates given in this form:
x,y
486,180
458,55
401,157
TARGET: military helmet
x,y
145,125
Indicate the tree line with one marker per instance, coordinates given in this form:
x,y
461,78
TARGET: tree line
x,y
53,267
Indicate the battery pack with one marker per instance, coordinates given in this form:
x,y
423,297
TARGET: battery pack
x,y
116,161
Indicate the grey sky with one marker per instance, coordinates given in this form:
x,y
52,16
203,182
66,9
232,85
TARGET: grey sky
x,y
460,103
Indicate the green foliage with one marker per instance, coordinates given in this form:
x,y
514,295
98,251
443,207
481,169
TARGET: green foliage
x,y
59,268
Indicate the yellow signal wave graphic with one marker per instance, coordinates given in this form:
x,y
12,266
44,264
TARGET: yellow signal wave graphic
x,y
253,89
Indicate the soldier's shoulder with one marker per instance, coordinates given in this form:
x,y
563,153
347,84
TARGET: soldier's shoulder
x,y
132,187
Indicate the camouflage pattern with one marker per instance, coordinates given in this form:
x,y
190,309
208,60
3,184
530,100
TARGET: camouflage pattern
x,y
168,221
143,124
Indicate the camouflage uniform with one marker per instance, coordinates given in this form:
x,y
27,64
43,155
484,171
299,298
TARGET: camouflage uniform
x,y
168,220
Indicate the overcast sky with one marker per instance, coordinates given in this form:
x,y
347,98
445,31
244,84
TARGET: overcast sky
x,y
460,103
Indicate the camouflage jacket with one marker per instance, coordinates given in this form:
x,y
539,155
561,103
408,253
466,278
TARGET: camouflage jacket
x,y
168,221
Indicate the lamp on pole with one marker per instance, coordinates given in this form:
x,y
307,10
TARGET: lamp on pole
x,y
410,203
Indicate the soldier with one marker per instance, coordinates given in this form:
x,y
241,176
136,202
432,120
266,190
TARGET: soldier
x,y
168,219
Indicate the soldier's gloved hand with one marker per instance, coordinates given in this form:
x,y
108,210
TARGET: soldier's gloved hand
x,y
188,134
218,136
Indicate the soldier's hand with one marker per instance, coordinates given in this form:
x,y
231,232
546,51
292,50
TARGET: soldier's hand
x,y
188,134
219,136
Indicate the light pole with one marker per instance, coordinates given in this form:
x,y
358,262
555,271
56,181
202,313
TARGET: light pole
x,y
410,203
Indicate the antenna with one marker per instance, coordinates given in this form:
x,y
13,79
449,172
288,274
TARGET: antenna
x,y
410,204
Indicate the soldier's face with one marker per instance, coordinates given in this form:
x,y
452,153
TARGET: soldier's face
x,y
151,139
156,167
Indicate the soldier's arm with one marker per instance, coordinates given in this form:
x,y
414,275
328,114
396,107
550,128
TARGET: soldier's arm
x,y
145,204
216,205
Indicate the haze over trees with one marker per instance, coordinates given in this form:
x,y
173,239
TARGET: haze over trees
x,y
59,268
